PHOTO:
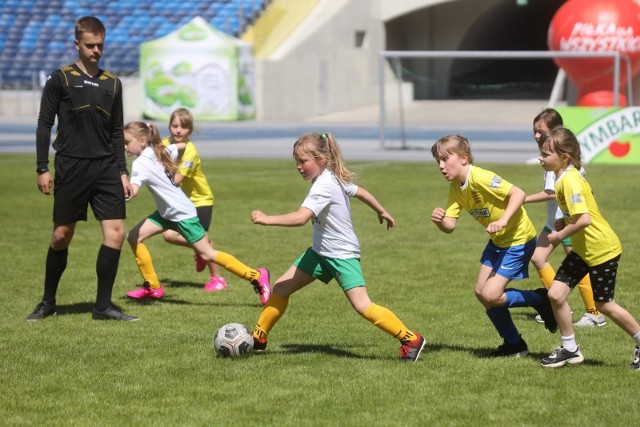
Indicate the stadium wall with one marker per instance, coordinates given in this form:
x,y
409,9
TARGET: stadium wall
x,y
330,62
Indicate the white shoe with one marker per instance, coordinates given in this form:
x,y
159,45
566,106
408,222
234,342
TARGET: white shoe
x,y
589,319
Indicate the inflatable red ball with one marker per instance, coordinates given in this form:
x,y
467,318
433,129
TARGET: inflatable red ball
x,y
596,26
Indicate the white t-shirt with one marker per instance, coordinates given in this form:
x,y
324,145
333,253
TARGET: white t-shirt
x,y
553,211
333,234
171,201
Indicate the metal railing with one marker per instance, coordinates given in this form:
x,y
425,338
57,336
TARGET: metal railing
x,y
395,56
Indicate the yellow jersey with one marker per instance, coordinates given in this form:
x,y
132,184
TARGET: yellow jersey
x,y
484,196
597,243
194,184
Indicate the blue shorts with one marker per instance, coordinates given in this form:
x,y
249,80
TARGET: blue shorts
x,y
347,272
190,229
511,262
565,242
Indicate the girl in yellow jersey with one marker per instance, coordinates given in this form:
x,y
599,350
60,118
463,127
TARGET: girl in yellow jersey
x,y
549,119
497,205
596,248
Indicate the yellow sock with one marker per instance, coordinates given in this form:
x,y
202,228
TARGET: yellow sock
x,y
143,259
233,265
384,319
586,292
547,275
271,313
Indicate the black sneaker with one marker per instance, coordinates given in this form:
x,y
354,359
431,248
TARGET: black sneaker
x,y
635,363
111,313
259,346
519,349
561,356
41,311
545,310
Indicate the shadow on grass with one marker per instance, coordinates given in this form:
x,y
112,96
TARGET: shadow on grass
x,y
180,284
328,349
485,353
79,307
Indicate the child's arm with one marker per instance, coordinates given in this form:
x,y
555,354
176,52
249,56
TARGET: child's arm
x,y
292,219
516,199
578,223
368,199
446,224
178,177
542,196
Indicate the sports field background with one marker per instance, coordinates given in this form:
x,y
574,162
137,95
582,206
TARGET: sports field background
x,y
325,365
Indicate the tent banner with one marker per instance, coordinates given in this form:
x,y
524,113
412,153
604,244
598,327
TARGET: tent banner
x,y
199,68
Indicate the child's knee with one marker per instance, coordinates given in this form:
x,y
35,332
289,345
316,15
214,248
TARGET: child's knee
x,y
557,295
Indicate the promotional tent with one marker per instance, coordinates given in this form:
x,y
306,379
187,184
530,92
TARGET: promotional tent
x,y
199,68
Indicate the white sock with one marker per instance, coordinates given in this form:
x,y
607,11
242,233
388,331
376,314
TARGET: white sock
x,y
569,343
636,338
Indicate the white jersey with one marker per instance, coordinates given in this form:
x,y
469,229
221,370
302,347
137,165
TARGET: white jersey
x,y
333,234
553,211
171,201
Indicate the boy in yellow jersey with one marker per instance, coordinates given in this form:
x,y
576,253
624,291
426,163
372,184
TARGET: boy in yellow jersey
x,y
596,248
497,205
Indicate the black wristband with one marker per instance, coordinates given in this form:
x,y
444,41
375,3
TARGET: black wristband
x,y
40,171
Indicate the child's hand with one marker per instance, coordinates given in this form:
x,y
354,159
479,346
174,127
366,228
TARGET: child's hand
x,y
494,227
437,216
258,217
384,216
553,238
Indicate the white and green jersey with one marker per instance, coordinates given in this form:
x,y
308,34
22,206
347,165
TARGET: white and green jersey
x,y
333,234
171,202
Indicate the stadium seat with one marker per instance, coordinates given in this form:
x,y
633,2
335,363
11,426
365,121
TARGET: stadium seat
x,y
43,29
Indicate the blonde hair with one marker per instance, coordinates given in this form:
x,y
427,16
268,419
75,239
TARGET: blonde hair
x,y
452,144
562,141
150,132
324,147
185,117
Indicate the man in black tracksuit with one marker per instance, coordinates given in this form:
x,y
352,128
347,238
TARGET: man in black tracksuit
x,y
90,165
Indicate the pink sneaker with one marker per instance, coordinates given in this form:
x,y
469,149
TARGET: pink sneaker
x,y
262,286
200,263
146,292
216,284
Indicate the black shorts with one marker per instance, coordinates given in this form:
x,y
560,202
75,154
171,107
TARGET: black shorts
x,y
79,182
602,276
205,213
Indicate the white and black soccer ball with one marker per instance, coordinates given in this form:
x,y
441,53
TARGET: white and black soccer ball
x,y
233,340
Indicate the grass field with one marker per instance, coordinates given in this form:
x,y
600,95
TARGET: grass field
x,y
325,365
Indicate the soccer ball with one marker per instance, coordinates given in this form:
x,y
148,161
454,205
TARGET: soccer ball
x,y
233,340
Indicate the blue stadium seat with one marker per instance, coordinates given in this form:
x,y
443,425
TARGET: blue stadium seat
x,y
44,28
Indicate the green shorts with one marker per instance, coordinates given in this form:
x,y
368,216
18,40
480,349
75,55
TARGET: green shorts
x,y
565,242
347,272
190,229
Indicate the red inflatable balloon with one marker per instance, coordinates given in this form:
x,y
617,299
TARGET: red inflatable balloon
x,y
596,26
